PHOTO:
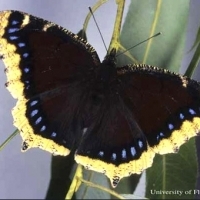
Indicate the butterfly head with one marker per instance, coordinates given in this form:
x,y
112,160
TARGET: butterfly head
x,y
110,58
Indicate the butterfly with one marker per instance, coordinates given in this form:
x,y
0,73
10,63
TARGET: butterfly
x,y
115,118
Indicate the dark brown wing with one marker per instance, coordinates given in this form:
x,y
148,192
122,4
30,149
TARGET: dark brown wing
x,y
46,67
165,105
149,111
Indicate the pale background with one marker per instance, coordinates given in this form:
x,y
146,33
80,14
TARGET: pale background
x,y
26,175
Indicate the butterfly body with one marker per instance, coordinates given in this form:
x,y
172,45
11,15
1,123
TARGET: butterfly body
x,y
117,118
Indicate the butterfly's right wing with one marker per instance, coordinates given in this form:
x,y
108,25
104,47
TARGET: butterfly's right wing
x,y
148,111
165,105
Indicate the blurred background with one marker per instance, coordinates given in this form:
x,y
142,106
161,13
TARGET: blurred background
x,y
26,175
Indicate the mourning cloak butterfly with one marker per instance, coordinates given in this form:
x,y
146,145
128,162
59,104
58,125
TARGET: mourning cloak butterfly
x,y
116,118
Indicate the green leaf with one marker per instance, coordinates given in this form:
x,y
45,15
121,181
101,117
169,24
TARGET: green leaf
x,y
60,172
87,192
146,18
173,173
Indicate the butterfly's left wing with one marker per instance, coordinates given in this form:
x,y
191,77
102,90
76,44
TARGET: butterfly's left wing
x,y
46,68
149,110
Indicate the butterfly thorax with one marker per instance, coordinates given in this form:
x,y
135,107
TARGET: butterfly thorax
x,y
100,85
107,70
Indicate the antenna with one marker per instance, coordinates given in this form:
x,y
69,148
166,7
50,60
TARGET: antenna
x,y
139,43
98,28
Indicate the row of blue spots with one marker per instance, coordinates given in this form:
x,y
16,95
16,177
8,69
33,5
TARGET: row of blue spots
x,y
123,153
34,113
13,29
21,44
171,126
39,119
